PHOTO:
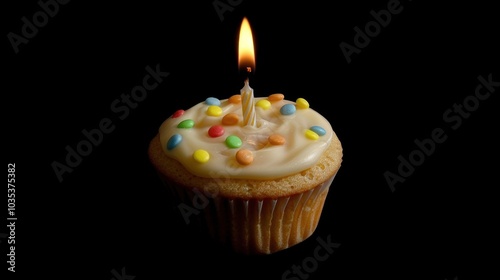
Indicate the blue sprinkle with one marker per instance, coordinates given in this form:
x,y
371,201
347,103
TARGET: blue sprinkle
x,y
174,141
318,129
287,109
212,101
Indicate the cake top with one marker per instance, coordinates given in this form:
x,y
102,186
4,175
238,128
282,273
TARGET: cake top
x,y
214,139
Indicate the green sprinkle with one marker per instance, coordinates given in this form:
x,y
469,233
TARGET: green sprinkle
x,y
233,141
186,124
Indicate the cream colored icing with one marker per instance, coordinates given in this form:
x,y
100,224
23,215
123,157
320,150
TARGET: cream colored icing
x,y
270,161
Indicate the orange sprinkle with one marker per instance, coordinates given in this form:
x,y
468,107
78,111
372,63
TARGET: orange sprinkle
x,y
235,99
230,119
275,97
276,139
244,157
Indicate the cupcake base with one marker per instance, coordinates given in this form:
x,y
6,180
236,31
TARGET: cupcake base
x,y
252,226
247,215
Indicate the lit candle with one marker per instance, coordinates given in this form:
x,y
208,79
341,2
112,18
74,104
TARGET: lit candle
x,y
248,105
246,61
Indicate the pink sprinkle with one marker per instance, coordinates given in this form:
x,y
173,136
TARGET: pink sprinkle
x,y
178,113
216,131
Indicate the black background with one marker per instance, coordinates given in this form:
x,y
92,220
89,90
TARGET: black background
x,y
111,212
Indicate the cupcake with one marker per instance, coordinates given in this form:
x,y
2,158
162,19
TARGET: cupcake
x,y
257,188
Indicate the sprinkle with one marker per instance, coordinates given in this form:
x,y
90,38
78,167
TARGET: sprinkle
x,y
287,109
244,157
318,129
312,135
276,139
275,97
230,119
235,99
189,123
201,156
216,131
264,104
178,113
302,103
214,110
174,141
233,141
212,101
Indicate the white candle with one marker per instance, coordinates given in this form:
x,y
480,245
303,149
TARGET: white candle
x,y
246,60
248,105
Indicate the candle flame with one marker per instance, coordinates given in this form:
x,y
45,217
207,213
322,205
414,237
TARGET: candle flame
x,y
246,53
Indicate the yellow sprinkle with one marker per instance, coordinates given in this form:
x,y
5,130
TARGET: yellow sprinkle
x,y
264,104
201,156
214,110
312,135
301,103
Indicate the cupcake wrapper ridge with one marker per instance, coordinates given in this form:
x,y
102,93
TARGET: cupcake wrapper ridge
x,y
252,226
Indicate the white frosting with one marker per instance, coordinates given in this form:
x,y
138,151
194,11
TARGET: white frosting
x,y
270,161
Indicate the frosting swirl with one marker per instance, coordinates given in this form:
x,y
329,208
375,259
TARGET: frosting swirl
x,y
210,140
